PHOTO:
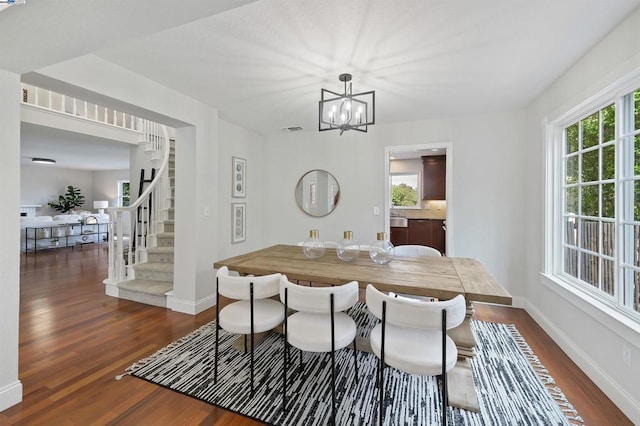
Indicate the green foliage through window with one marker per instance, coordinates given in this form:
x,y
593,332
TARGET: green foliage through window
x,y
404,190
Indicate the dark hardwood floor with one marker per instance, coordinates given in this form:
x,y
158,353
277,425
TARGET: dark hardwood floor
x,y
74,340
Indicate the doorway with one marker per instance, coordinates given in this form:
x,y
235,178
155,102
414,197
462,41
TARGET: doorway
x,y
407,160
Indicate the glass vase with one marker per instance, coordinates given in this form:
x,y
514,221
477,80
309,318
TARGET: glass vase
x,y
381,251
348,249
313,247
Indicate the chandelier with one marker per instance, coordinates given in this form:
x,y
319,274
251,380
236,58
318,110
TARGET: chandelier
x,y
346,111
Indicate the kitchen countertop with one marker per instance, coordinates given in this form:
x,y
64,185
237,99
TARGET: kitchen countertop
x,y
420,213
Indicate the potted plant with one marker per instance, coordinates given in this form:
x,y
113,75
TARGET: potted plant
x,y
69,201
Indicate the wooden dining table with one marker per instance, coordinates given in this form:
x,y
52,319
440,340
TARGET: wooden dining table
x,y
439,277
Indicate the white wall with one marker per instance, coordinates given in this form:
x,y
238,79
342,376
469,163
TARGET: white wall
x,y
40,184
43,184
105,186
413,165
486,210
236,141
10,386
591,338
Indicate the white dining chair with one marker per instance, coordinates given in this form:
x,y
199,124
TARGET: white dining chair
x,y
318,325
411,250
253,311
412,337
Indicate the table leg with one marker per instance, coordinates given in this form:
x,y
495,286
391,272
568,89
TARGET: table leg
x,y
463,336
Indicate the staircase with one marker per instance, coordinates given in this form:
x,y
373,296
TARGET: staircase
x,y
149,271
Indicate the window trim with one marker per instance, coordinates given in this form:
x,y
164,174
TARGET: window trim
x,y
120,192
553,196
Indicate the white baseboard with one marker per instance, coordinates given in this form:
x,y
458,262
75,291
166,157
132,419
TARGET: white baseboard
x,y
189,307
519,302
626,402
10,395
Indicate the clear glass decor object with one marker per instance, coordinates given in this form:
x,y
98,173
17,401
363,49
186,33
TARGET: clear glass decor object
x,y
313,247
348,249
381,251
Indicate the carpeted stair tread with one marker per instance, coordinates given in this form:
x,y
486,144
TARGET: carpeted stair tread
x,y
161,249
165,234
154,266
147,286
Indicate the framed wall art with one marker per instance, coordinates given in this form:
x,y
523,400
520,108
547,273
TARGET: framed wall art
x,y
238,228
238,177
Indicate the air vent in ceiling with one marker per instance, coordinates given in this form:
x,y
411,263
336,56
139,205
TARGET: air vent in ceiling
x,y
292,129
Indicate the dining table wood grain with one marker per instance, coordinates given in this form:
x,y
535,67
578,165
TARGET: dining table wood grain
x,y
440,277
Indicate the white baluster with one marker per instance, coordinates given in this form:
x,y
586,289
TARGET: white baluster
x,y
64,103
50,100
75,106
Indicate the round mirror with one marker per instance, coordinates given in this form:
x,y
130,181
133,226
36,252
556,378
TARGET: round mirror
x,y
317,193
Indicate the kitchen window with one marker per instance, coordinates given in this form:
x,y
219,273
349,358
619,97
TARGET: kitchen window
x,y
405,190
594,226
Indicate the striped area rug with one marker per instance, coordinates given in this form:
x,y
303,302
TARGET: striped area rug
x,y
513,387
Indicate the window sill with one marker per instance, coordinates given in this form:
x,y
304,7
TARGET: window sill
x,y
609,316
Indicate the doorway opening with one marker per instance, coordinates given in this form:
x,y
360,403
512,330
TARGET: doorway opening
x,y
409,173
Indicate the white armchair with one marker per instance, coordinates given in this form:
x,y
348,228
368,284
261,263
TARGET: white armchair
x,y
412,337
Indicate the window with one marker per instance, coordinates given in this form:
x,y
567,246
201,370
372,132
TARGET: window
x,y
596,224
124,193
405,190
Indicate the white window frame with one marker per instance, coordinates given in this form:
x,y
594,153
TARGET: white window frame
x,y
554,207
121,193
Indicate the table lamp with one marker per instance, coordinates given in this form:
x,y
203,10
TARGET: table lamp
x,y
100,205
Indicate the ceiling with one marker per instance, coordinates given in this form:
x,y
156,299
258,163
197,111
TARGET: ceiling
x,y
71,150
262,63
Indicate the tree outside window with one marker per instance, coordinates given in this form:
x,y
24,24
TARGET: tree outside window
x,y
405,190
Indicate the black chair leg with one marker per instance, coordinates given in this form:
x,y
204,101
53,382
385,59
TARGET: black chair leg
x,y
333,388
252,344
444,399
284,378
381,391
215,368
355,358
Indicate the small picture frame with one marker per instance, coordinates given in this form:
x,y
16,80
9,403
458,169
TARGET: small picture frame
x,y
238,220
238,177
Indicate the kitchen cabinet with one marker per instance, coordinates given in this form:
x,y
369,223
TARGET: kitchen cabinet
x,y
399,235
427,232
434,177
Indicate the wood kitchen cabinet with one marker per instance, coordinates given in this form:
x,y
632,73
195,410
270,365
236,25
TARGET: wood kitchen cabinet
x,y
434,177
399,236
427,232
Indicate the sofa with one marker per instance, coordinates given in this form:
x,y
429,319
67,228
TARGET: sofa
x,y
65,230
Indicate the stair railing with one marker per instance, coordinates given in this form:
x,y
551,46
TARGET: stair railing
x,y
125,251
70,106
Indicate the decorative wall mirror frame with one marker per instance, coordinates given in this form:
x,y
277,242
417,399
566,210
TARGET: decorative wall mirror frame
x,y
317,193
